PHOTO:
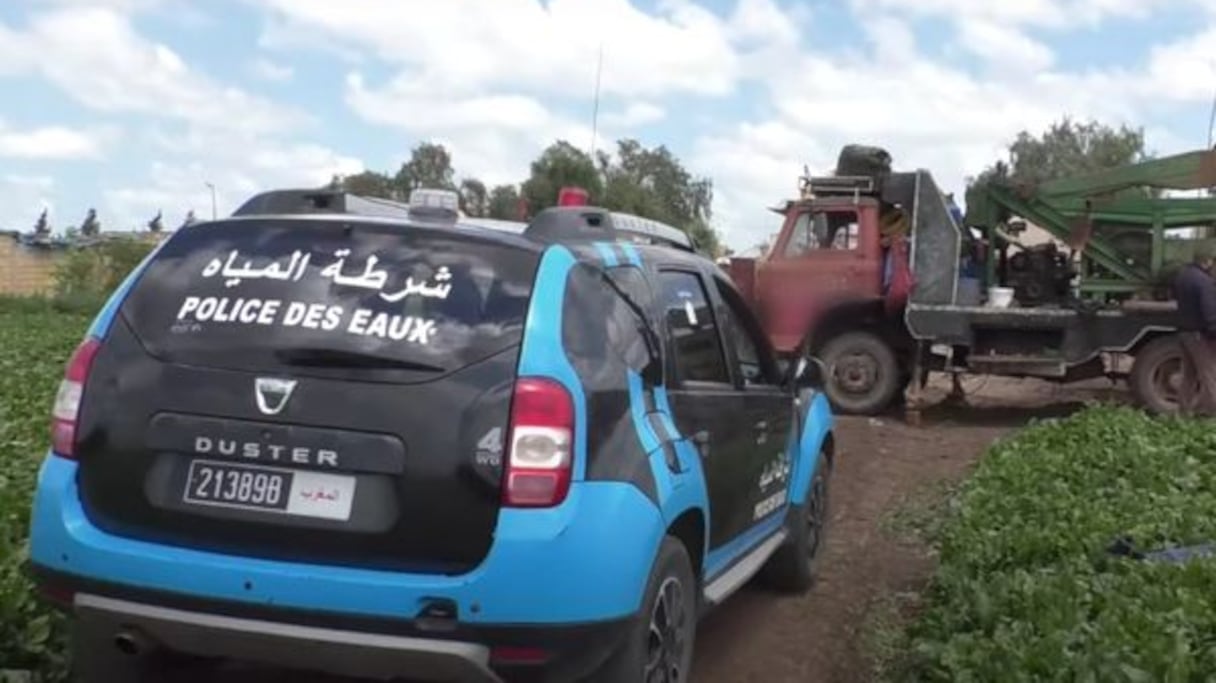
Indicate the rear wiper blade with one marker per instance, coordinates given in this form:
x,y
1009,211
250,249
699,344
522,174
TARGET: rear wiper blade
x,y
337,358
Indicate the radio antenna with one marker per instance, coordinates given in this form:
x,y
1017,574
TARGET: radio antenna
x,y
595,110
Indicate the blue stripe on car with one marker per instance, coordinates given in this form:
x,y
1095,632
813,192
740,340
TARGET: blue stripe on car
x,y
815,428
631,254
606,253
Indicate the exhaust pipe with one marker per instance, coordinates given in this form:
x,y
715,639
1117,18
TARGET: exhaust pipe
x,y
130,643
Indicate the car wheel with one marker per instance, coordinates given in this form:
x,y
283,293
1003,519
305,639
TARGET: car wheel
x,y
792,568
659,646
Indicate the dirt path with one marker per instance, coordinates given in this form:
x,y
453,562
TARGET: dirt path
x,y
760,636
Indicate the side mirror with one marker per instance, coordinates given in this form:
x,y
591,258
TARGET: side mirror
x,y
808,373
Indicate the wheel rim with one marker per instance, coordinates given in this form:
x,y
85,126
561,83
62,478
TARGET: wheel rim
x,y
667,640
856,372
816,510
1166,380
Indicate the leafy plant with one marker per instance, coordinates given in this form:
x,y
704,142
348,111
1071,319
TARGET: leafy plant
x,y
1027,589
91,272
34,346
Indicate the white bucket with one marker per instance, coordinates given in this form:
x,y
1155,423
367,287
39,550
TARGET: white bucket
x,y
1000,297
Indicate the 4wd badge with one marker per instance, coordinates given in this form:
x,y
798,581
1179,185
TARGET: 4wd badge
x,y
272,393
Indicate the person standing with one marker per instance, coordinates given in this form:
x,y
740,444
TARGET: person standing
x,y
1195,291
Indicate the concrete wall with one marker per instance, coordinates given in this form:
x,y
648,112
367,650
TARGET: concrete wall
x,y
30,270
26,270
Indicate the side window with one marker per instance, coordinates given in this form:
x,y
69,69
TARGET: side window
x,y
755,364
823,230
698,347
597,324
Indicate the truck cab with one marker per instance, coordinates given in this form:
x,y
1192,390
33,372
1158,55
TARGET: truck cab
x,y
827,287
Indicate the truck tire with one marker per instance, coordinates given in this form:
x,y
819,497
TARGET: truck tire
x,y
1153,379
862,373
669,611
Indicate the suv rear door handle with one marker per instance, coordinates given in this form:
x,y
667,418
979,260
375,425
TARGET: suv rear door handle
x,y
701,439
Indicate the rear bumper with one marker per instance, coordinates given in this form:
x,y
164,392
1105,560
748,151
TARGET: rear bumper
x,y
150,628
339,644
538,572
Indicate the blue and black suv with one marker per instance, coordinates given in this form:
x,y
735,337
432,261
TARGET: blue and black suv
x,y
380,440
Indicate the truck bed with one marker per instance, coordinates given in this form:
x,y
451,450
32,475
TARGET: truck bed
x,y
1062,337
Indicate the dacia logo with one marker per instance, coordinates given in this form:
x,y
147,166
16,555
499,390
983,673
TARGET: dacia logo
x,y
272,394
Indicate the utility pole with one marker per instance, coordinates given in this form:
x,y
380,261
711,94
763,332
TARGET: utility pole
x,y
595,111
212,188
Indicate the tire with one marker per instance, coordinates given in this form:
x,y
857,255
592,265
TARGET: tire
x,y
1152,383
863,375
793,568
671,581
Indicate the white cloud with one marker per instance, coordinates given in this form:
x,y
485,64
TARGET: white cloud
x,y
635,114
203,130
492,136
473,46
25,196
57,143
95,56
268,70
1004,47
238,167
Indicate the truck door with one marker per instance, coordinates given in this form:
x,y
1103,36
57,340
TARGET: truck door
x,y
826,256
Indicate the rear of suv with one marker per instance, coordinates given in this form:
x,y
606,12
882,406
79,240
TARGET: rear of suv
x,y
346,435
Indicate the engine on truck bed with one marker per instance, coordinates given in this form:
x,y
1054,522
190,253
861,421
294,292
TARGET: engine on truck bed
x,y
1040,274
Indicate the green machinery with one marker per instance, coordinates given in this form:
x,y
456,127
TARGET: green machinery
x,y
1122,224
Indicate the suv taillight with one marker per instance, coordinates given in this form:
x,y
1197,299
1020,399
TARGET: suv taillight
x,y
540,451
67,401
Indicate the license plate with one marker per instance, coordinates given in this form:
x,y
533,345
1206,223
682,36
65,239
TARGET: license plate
x,y
270,489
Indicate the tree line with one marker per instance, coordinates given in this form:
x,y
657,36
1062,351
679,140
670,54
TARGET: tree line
x,y
649,182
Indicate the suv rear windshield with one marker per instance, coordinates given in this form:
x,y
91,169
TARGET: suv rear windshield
x,y
333,296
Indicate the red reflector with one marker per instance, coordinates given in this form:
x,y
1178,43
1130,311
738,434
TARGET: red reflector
x,y
572,196
57,595
518,655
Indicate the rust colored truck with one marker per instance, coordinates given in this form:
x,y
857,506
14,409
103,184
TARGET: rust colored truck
x,y
879,276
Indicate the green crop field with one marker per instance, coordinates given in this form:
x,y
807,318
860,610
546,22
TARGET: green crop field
x,y
35,342
1025,590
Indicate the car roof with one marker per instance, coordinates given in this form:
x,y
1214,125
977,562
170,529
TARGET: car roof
x,y
568,225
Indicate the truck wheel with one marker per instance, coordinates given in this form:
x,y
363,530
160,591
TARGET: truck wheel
x,y
1156,374
863,375
660,643
792,568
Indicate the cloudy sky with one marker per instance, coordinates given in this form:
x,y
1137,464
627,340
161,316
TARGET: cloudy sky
x,y
133,106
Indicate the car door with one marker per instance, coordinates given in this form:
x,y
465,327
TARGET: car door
x,y
767,403
707,404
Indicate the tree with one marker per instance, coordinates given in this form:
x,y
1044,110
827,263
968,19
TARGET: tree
x,y
504,203
430,166
560,165
654,184
367,183
473,198
1065,149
